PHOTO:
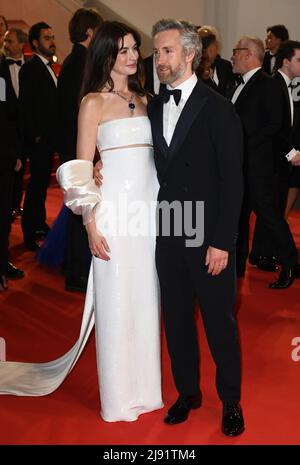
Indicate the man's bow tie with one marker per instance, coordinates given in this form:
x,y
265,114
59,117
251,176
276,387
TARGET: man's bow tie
x,y
239,80
10,61
165,95
293,86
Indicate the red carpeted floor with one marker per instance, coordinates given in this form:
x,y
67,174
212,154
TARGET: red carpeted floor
x,y
40,321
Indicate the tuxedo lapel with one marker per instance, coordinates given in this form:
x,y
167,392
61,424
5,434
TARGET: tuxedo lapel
x,y
286,93
191,110
157,127
244,93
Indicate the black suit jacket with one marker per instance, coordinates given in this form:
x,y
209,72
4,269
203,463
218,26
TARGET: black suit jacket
x,y
37,103
12,98
68,89
225,75
286,136
9,142
266,66
203,162
259,106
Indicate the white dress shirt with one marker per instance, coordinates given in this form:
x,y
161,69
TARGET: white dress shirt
x,y
246,78
50,70
287,80
171,111
14,74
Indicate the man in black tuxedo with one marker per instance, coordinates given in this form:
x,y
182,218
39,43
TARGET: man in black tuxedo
x,y
197,142
219,71
259,104
276,36
38,113
286,155
81,29
9,152
14,41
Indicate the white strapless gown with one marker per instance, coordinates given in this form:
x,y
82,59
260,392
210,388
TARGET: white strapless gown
x,y
122,297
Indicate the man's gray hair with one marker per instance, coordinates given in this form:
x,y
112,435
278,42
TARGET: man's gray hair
x,y
22,37
190,39
254,44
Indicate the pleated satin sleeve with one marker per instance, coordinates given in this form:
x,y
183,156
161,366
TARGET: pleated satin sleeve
x,y
81,194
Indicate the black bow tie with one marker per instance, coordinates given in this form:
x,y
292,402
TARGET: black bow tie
x,y
239,80
165,95
10,61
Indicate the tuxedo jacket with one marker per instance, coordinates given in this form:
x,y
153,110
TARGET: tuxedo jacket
x,y
37,103
287,135
259,106
266,66
9,142
12,99
68,91
202,163
225,75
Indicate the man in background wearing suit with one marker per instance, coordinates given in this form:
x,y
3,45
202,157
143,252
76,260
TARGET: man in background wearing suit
x,y
38,113
285,153
81,30
14,41
197,141
9,152
258,103
276,35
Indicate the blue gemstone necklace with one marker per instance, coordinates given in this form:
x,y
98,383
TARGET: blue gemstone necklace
x,y
130,100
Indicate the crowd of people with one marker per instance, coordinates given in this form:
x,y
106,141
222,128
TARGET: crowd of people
x,y
180,129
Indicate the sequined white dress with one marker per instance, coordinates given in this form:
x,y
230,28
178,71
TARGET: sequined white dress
x,y
122,298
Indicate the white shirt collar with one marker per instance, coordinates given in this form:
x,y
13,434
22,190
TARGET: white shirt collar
x,y
16,59
285,77
247,76
186,86
44,60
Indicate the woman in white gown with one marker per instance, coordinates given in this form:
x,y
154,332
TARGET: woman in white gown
x,y
123,295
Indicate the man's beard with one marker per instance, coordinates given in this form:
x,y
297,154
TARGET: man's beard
x,y
49,52
173,75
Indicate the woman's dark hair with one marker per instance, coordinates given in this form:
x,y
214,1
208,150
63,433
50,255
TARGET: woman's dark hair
x,y
82,20
101,57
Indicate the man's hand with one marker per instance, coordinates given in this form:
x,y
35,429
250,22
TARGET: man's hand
x,y
18,165
97,173
296,160
216,260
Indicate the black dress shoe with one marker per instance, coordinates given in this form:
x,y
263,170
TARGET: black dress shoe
x,y
179,412
76,284
12,272
286,277
264,263
232,419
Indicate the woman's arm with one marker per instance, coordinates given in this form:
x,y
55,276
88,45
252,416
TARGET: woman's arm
x,y
88,121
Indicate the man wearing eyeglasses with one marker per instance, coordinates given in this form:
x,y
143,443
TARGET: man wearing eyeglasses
x,y
258,102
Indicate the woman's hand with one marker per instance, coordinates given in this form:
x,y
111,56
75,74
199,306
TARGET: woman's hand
x,y
97,243
97,173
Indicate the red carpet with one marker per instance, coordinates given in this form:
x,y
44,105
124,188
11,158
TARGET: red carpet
x,y
40,321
